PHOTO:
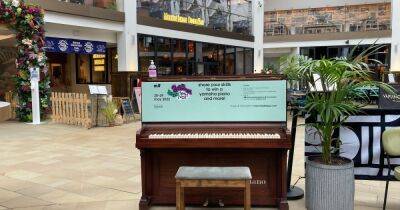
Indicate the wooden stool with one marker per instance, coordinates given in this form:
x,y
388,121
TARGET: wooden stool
x,y
228,177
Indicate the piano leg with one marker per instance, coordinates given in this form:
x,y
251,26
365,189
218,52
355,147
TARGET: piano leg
x,y
283,205
144,203
145,200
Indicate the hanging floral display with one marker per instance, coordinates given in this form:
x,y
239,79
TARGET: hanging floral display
x,y
26,20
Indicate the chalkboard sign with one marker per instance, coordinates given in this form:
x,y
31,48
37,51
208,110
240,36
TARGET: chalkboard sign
x,y
127,107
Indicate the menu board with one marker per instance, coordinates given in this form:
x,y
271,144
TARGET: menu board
x,y
214,101
127,106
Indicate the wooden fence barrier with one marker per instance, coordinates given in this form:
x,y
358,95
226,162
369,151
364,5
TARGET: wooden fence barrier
x,y
12,99
71,108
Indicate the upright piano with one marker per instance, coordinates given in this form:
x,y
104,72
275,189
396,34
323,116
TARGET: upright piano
x,y
214,121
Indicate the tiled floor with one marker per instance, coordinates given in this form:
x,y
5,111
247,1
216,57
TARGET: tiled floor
x,y
65,167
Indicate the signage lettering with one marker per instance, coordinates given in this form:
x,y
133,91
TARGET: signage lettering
x,y
258,182
75,46
181,19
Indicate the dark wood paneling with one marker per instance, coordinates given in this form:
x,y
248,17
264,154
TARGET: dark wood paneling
x,y
120,84
329,36
265,165
143,19
81,10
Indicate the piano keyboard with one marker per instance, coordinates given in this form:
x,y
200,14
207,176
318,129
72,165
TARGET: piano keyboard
x,y
216,136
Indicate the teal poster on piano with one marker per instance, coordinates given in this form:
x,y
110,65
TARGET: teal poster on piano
x,y
214,101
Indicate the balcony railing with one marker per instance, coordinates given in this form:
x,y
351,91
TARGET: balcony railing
x,y
105,4
218,15
355,18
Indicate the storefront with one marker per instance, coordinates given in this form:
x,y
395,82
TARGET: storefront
x,y
75,63
185,57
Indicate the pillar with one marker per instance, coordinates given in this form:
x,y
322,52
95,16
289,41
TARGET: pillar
x,y
258,33
395,53
127,40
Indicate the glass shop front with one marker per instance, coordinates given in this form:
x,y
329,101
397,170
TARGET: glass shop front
x,y
185,57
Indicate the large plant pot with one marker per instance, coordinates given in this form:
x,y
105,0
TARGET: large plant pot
x,y
329,187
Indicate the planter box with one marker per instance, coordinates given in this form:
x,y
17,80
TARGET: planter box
x,y
329,187
103,3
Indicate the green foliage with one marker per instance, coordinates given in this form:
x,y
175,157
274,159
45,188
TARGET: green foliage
x,y
340,79
110,111
269,68
112,5
27,22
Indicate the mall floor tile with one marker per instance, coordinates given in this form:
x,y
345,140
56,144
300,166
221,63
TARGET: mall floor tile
x,y
61,167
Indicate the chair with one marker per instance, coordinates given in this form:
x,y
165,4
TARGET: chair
x,y
391,146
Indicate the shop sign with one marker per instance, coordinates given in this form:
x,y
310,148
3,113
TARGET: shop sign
x,y
62,45
181,19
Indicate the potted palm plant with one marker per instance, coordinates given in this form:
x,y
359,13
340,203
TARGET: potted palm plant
x,y
332,94
110,112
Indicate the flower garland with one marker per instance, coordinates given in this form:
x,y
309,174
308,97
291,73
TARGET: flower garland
x,y
27,22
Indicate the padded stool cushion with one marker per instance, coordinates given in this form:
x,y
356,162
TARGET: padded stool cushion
x,y
397,172
391,141
213,173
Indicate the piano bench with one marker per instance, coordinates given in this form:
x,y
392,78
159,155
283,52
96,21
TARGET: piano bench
x,y
220,177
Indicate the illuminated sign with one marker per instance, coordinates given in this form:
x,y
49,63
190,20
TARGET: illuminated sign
x,y
99,68
180,19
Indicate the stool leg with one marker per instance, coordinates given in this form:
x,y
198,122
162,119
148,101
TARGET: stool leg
x,y
247,196
182,198
178,196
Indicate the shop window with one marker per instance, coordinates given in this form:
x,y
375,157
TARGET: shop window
x,y
248,61
229,61
146,51
91,69
163,56
211,59
239,60
59,77
191,57
179,56
83,68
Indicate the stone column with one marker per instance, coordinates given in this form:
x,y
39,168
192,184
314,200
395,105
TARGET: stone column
x,y
395,54
258,33
127,40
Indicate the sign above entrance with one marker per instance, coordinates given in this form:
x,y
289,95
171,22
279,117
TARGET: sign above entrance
x,y
62,45
181,19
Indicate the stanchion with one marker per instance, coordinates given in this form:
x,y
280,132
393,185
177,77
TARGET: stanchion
x,y
293,192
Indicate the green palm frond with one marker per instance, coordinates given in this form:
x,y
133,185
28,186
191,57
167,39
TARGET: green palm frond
x,y
342,80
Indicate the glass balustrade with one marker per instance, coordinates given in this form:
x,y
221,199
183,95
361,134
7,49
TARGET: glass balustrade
x,y
350,18
221,15
105,4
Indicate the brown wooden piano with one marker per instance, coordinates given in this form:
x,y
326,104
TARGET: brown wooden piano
x,y
186,122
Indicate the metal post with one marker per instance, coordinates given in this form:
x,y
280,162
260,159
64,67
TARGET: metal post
x,y
293,192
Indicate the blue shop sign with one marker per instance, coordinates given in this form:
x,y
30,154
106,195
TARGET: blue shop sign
x,y
62,45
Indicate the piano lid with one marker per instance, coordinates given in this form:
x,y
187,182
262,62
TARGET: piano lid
x,y
215,100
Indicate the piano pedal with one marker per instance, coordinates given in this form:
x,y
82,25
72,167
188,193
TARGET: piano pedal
x,y
220,203
205,204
